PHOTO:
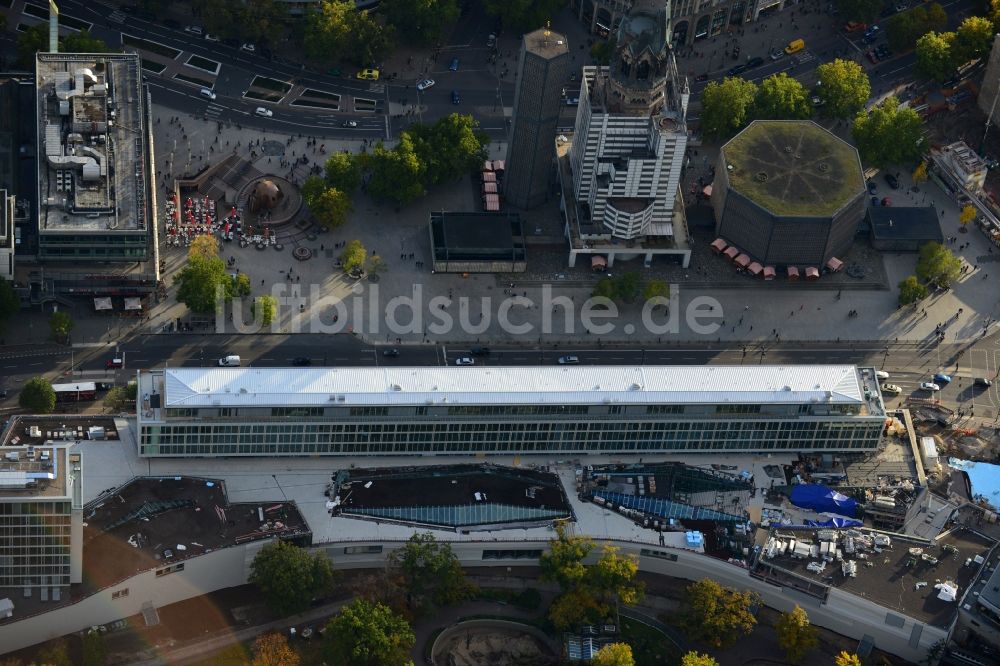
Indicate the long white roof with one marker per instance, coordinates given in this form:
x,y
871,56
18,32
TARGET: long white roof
x,y
485,385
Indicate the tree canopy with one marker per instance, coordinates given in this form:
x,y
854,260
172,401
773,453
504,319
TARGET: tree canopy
x,y
37,396
328,205
887,134
366,633
200,281
430,572
562,563
935,55
937,265
267,306
726,106
614,654
80,42
781,97
864,11
718,615
397,174
911,290
696,659
796,636
289,577
272,649
343,171
336,29
845,658
121,398
450,148
61,325
419,21
524,15
844,88
10,303
904,29
353,256
973,38
95,652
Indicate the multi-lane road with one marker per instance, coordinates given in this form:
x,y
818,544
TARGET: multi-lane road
x,y
908,364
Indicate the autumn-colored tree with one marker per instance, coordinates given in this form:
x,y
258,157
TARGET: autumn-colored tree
x,y
272,649
795,634
967,215
613,578
204,247
614,654
845,658
920,173
718,615
695,659
575,607
563,562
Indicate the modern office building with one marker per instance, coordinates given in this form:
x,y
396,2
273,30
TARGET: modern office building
x,y
622,165
95,177
506,410
7,232
41,519
542,70
788,193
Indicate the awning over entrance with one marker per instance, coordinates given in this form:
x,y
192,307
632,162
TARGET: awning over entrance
x,y
718,245
812,273
793,273
834,264
755,268
731,252
743,260
769,272
598,263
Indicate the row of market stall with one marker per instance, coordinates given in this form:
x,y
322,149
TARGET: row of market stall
x,y
744,262
493,172
131,305
197,216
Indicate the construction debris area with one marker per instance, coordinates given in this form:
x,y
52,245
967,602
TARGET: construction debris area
x,y
923,578
153,522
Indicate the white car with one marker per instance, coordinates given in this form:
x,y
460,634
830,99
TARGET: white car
x,y
208,92
891,388
569,360
425,84
249,48
194,29
349,123
881,374
465,360
210,37
777,55
261,111
929,386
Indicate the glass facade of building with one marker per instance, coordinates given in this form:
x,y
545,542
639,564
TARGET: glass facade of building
x,y
35,543
508,429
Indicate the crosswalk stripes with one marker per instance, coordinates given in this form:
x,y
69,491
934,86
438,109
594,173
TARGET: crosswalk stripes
x,y
117,16
213,110
805,56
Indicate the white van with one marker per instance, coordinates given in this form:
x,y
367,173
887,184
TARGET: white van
x,y
230,361
208,92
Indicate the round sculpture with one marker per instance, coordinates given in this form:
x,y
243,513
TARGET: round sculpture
x,y
265,195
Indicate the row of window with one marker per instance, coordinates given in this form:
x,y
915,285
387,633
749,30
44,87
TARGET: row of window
x,y
34,508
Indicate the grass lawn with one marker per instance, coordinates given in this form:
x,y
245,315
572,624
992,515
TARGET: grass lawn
x,y
649,646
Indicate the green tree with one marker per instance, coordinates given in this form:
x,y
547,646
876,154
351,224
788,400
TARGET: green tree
x,y
354,256
796,635
903,30
863,11
844,88
55,654
656,288
562,563
574,608
241,286
695,659
200,281
606,288
272,649
726,106
524,15
974,38
330,208
261,20
10,302
450,148
327,29
82,42
219,17
887,134
937,265
397,175
121,398
780,97
845,658
718,615
95,652
30,42
614,654
343,171
430,572
37,396
627,286
267,305
419,21
936,55
61,325
613,578
289,577
370,42
366,633
911,291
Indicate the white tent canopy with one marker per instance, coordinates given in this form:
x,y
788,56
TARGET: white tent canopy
x,y
947,591
102,304
133,303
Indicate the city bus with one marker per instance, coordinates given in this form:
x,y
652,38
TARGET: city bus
x,y
75,391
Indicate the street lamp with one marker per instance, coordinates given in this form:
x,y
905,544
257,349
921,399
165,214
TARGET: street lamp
x,y
885,357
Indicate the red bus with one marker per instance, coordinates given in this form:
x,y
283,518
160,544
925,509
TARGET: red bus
x,y
75,392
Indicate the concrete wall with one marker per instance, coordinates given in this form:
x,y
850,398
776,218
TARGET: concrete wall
x,y
844,613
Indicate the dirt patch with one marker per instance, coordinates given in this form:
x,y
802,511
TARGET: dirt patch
x,y
492,645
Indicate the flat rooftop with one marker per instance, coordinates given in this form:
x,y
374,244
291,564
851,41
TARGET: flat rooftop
x,y
36,430
793,168
41,472
131,528
891,578
486,385
92,143
452,495
905,223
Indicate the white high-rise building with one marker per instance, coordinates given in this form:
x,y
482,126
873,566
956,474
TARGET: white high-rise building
x,y
628,145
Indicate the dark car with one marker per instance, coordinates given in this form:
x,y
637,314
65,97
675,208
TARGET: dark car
x,y
942,379
739,69
701,77
391,353
875,202
883,52
301,361
480,351
455,98
982,382
886,201
755,62
104,386
736,52
892,180
872,187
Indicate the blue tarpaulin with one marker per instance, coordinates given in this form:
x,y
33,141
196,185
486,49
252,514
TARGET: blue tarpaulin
x,y
821,499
